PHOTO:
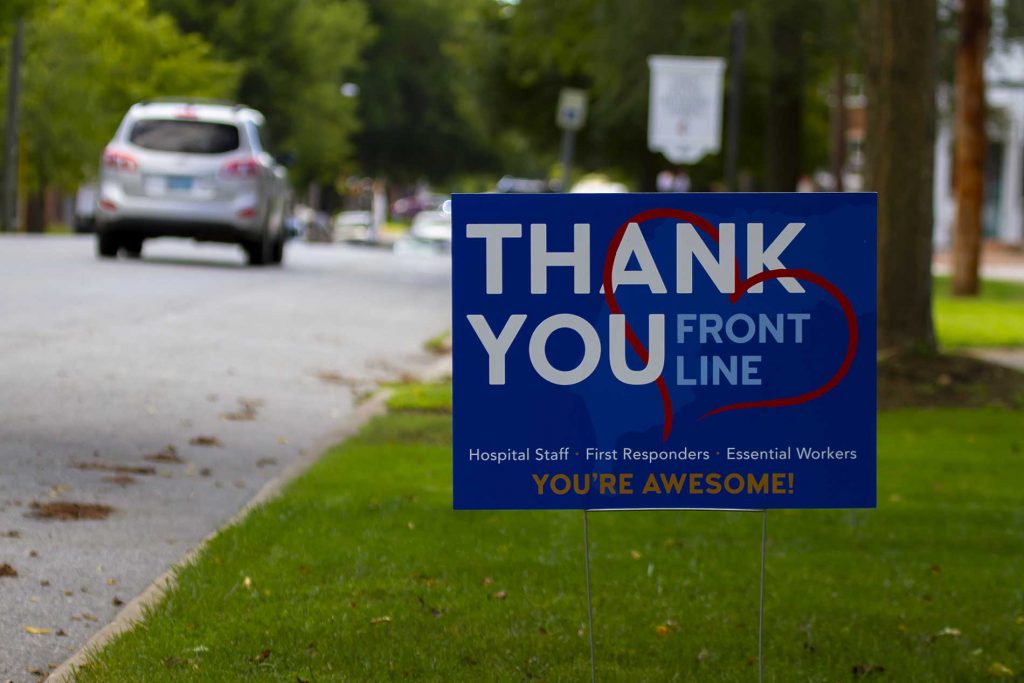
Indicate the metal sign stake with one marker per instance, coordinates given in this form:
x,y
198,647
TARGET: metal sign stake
x,y
760,618
590,602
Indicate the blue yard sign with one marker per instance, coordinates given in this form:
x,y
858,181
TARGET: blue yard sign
x,y
704,351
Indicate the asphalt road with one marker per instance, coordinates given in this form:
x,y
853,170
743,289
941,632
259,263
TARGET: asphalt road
x,y
106,363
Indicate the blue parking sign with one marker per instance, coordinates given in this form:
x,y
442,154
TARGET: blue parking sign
x,y
691,351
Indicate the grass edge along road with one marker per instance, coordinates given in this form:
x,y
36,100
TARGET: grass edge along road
x,y
361,571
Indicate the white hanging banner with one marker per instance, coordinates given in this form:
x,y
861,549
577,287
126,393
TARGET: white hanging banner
x,y
685,119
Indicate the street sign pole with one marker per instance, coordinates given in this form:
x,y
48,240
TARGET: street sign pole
x,y
568,147
570,117
735,97
10,160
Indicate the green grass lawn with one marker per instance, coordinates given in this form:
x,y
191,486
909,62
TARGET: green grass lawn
x,y
995,318
361,571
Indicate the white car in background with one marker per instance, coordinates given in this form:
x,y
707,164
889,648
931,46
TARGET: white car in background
x,y
189,168
433,226
352,226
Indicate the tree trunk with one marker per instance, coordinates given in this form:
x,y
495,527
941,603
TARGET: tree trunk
x,y
969,135
35,211
784,116
900,70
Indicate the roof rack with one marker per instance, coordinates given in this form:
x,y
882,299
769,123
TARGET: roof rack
x,y
193,100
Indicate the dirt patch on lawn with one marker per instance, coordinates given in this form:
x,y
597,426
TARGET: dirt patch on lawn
x,y
947,381
67,511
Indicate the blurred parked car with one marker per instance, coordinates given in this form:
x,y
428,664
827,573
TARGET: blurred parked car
x,y
513,185
598,185
408,207
85,208
189,168
431,232
352,226
314,225
435,226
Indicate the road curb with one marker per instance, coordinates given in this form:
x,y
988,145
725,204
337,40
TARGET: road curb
x,y
133,612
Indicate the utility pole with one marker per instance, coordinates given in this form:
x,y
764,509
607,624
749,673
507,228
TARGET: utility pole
x,y
9,200
732,135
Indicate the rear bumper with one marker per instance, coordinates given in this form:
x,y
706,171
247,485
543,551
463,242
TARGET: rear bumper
x,y
203,231
233,219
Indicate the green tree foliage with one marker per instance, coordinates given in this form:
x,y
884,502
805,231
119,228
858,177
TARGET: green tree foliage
x,y
86,62
423,101
603,45
294,56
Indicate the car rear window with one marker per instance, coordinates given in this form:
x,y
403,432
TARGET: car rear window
x,y
175,135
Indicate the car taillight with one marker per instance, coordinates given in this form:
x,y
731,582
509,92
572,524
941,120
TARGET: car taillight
x,y
241,168
119,161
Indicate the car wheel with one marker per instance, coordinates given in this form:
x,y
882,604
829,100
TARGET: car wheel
x,y
107,246
277,251
133,248
258,253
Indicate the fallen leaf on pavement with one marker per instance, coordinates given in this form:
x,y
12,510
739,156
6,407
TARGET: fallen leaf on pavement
x,y
117,602
11,534
168,455
58,490
120,480
264,462
205,441
117,469
247,410
8,570
67,511
330,377
36,631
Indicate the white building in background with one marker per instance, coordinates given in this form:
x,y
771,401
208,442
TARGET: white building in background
x,y
1003,207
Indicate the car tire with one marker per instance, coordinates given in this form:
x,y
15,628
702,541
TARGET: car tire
x,y
258,253
107,245
277,250
133,248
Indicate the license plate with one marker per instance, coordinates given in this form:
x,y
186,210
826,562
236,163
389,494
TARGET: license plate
x,y
177,182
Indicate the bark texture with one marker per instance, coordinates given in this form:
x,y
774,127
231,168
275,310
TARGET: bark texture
x,y
969,149
900,60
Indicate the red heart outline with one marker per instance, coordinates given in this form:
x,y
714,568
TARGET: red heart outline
x,y
741,288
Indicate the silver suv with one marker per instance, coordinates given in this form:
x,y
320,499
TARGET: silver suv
x,y
184,168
